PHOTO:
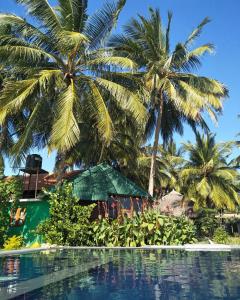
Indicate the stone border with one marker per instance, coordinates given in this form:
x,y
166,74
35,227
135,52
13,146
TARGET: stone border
x,y
187,247
27,250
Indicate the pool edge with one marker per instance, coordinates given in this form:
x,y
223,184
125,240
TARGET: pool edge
x,y
187,247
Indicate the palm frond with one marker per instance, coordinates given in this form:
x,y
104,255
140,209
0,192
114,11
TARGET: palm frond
x,y
65,132
121,62
15,94
196,32
104,122
27,31
168,31
100,24
126,99
12,54
24,142
42,11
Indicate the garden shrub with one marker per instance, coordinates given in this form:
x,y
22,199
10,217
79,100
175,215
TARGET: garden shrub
x,y
149,228
206,223
221,236
13,243
233,240
69,223
9,190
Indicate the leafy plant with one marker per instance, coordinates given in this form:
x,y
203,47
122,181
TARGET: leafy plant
x,y
35,245
206,223
207,178
234,240
149,228
10,193
221,236
13,243
69,222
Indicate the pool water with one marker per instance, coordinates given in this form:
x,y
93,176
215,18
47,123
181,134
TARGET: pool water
x,y
121,274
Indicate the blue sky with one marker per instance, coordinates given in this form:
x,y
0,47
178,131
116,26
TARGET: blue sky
x,y
224,64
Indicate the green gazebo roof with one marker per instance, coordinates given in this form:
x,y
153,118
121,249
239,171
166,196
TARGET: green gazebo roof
x,y
98,182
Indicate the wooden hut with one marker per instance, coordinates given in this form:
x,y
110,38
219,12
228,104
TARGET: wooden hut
x,y
113,193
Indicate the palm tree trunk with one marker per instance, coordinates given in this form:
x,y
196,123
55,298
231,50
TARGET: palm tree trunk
x,y
61,168
155,148
2,165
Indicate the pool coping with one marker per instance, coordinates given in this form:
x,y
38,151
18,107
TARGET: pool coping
x,y
187,247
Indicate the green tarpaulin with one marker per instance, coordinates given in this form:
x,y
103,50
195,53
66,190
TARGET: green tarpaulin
x,y
98,182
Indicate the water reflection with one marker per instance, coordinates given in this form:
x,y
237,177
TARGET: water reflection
x,y
136,274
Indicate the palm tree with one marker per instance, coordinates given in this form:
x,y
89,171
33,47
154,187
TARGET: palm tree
x,y
176,94
169,162
174,161
66,75
208,179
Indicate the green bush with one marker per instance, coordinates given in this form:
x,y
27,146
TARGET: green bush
x,y
221,236
13,243
234,240
69,223
9,190
206,223
149,228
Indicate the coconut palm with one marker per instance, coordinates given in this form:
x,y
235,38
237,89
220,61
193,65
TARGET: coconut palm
x,y
176,94
174,161
66,75
208,179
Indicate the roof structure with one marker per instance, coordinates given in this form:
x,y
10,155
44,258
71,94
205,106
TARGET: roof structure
x,y
101,181
171,204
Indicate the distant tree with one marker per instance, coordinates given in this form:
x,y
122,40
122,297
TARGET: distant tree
x,y
208,180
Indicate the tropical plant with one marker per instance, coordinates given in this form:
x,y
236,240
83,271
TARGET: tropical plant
x,y
174,161
220,236
155,229
10,193
208,179
72,224
69,222
13,243
206,223
169,162
176,94
66,72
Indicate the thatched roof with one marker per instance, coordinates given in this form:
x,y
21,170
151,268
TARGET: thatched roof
x,y
171,204
172,197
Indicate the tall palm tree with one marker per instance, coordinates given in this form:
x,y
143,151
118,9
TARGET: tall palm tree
x,y
66,74
208,179
176,94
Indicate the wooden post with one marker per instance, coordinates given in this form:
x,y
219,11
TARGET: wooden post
x,y
36,184
132,208
98,210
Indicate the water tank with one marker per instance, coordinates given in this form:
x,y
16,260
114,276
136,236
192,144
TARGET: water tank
x,y
34,162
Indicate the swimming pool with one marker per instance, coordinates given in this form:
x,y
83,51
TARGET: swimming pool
x,y
121,274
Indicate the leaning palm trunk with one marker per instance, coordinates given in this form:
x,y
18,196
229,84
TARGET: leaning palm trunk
x,y
155,148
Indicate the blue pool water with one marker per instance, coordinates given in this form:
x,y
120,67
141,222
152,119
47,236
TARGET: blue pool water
x,y
121,274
